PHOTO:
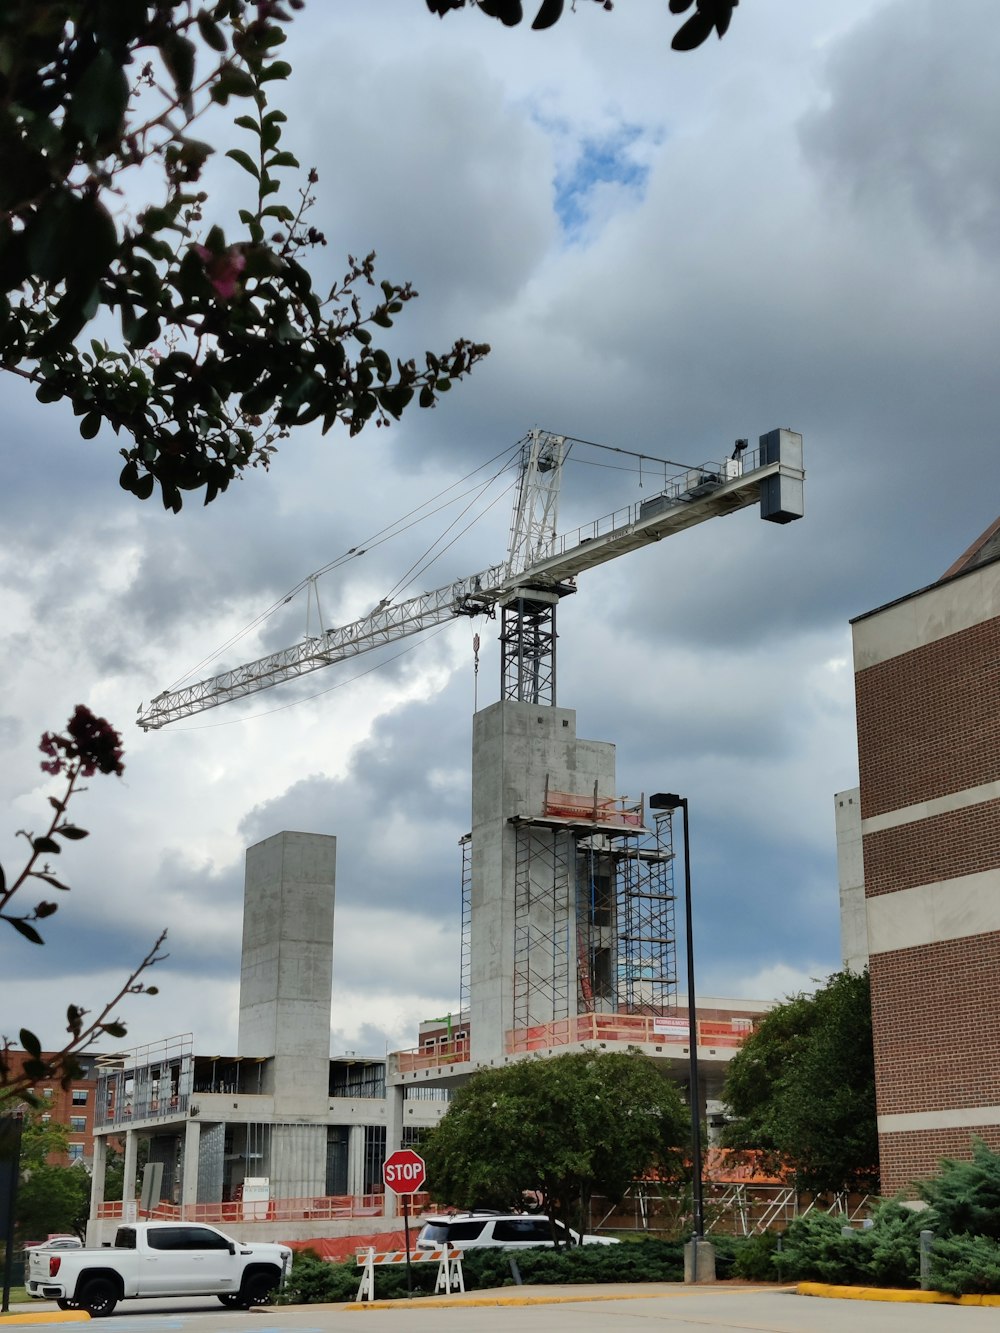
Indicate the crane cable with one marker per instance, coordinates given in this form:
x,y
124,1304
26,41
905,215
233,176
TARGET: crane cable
x,y
394,529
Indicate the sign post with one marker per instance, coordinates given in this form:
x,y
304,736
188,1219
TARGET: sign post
x,y
404,1173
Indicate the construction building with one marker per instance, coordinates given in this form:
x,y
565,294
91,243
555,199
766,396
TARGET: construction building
x,y
922,836
277,1136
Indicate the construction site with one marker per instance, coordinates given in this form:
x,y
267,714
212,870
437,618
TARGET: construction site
x,y
569,899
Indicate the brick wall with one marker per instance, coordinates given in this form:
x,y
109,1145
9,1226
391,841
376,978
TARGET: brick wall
x,y
959,842
916,1154
936,1025
929,720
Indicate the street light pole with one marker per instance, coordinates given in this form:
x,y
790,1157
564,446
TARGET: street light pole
x,y
671,801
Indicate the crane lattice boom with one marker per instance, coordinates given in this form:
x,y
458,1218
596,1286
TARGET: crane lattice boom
x,y
774,477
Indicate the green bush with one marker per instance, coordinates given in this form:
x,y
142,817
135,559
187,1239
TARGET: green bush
x,y
754,1258
644,1261
966,1195
886,1254
814,1250
966,1265
318,1281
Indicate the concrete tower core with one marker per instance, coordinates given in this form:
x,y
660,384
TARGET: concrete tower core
x,y
521,754
286,976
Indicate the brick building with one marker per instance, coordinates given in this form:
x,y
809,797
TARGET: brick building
x,y
927,677
72,1106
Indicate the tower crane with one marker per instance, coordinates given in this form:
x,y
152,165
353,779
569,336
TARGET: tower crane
x,y
540,569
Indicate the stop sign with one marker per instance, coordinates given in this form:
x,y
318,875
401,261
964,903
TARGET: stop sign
x,y
404,1172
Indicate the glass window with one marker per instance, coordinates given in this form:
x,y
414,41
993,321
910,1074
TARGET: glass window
x,y
201,1238
79,1096
125,1239
75,1151
465,1230
47,1092
78,1124
523,1229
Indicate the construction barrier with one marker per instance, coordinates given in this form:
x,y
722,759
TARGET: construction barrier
x,y
450,1277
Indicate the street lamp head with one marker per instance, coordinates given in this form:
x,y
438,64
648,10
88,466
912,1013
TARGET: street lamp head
x,y
666,800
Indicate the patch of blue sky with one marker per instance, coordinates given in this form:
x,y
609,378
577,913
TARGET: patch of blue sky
x,y
610,161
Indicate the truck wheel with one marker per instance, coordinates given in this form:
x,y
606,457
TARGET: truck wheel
x,y
99,1297
258,1288
232,1300
68,1305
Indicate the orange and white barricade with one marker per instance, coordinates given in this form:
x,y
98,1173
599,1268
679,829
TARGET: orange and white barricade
x,y
450,1276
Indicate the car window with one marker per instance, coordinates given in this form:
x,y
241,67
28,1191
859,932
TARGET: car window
x,y
201,1238
164,1238
125,1238
434,1233
523,1229
465,1230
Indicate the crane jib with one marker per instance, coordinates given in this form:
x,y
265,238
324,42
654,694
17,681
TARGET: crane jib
x,y
537,559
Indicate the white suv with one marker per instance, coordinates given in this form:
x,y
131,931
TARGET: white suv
x,y
508,1231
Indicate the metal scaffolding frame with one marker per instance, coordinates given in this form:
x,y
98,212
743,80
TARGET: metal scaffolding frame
x,y
594,920
544,881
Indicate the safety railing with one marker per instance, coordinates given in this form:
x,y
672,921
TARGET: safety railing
x,y
641,1029
237,1212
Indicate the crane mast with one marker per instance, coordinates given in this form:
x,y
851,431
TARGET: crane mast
x,y
539,570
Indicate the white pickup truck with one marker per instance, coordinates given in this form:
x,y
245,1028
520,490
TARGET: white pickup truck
x,y
159,1259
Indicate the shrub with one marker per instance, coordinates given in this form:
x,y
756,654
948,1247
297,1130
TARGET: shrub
x,y
886,1254
966,1195
814,1249
965,1265
754,1258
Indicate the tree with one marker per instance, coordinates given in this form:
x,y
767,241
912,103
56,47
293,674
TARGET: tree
x,y
802,1088
709,16
88,746
554,1132
51,1197
225,344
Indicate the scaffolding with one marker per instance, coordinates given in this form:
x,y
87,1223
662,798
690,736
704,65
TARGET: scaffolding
x,y
594,922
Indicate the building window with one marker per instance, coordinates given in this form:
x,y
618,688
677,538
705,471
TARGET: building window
x,y
47,1093
46,1118
79,1096
78,1124
75,1151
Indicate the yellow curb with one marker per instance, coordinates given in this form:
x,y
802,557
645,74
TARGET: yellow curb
x,y
46,1317
892,1294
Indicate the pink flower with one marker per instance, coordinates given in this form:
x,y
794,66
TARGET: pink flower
x,y
223,271
92,740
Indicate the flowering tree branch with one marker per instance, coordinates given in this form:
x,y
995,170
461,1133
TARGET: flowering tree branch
x,y
89,745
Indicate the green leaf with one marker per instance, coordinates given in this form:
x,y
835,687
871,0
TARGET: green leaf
x,y
46,845
245,161
280,69
211,34
30,1043
72,832
99,100
247,123
49,879
23,928
114,1029
283,159
178,55
90,425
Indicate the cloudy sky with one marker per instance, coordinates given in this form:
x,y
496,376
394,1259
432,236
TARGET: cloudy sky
x,y
797,226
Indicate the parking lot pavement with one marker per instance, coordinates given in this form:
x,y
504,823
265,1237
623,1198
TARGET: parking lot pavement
x,y
657,1308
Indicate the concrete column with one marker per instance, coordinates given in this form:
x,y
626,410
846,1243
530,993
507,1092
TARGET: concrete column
x,y
393,1140
98,1173
189,1180
286,976
128,1175
356,1160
